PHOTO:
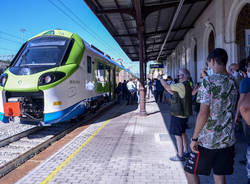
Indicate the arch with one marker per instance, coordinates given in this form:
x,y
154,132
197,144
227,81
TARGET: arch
x,y
211,42
230,35
207,33
193,58
243,22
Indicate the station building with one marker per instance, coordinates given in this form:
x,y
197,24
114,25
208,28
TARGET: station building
x,y
125,146
223,24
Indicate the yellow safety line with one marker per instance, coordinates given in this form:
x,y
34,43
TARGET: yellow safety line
x,y
67,160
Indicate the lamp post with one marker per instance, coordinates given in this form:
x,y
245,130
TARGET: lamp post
x,y
22,30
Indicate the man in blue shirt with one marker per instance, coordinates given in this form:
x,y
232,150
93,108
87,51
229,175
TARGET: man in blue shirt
x,y
159,91
244,89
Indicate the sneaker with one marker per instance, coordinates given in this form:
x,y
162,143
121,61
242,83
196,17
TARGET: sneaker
x,y
177,158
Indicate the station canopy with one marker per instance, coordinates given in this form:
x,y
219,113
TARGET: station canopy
x,y
124,18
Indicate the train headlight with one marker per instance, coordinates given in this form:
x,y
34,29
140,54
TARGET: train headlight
x,y
47,79
3,79
50,77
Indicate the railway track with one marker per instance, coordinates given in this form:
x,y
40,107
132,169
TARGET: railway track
x,y
17,149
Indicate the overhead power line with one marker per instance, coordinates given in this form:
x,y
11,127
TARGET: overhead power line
x,y
17,42
66,14
83,26
8,49
10,35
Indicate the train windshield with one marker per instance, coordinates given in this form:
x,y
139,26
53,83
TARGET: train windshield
x,y
43,51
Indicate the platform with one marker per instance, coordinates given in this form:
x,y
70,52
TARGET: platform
x,y
123,147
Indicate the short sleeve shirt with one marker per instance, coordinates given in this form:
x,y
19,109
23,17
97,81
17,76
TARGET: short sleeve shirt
x,y
245,85
131,86
179,88
219,91
158,86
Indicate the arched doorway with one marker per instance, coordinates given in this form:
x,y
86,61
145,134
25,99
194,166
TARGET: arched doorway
x,y
243,23
211,42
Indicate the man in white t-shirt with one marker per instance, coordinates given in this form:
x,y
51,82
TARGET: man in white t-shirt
x,y
131,90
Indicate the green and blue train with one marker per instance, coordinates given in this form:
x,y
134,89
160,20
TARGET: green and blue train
x,y
56,76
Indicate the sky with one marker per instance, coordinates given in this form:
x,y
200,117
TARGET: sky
x,y
36,16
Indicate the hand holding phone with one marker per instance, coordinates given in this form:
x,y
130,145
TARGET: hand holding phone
x,y
194,146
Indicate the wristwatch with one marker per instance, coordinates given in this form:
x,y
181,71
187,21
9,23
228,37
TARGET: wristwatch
x,y
194,139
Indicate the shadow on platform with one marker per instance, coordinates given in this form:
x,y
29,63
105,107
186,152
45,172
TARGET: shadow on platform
x,y
239,174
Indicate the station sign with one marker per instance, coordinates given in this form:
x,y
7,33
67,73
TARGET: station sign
x,y
156,66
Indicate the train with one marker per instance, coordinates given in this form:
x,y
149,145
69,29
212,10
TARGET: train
x,y
56,76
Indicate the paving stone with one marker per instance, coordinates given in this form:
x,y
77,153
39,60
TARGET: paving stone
x,y
129,149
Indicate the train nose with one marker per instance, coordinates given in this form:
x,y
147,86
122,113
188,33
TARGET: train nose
x,y
21,83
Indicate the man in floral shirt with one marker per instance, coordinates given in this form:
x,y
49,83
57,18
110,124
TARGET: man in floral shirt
x,y
213,139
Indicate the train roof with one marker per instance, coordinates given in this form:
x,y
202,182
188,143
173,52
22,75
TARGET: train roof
x,y
102,54
68,34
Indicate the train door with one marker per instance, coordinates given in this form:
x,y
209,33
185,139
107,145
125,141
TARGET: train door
x,y
113,83
109,80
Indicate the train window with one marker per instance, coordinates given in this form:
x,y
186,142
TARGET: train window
x,y
42,51
100,66
89,64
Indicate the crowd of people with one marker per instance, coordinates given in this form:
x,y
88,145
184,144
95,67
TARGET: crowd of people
x,y
221,102
129,91
220,98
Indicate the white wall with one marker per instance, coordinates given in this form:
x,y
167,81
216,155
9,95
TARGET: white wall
x,y
219,17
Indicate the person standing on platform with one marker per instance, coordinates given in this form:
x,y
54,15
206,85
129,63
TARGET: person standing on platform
x,y
213,140
154,88
131,91
180,109
233,69
118,92
137,85
244,92
150,88
124,90
159,91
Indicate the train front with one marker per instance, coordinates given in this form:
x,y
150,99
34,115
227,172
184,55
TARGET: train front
x,y
27,87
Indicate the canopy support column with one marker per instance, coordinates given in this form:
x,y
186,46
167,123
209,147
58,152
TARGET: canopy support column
x,y
140,30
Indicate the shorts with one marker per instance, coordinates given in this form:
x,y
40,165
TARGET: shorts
x,y
178,126
220,160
